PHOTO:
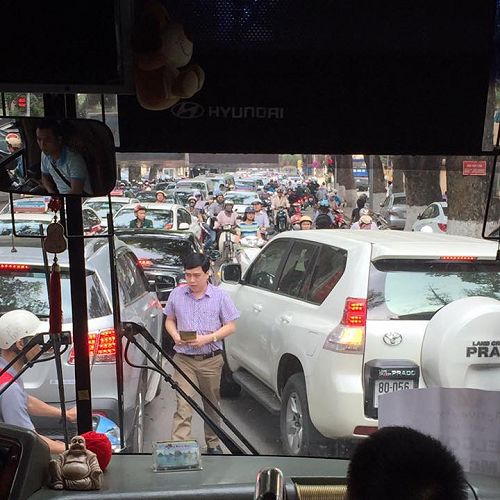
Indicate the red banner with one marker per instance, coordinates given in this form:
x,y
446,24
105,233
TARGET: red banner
x,y
474,167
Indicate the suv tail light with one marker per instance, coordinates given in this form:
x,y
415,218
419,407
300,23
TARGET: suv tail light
x,y
349,335
14,267
102,347
442,227
144,262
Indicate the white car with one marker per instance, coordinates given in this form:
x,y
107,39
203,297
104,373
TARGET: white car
x,y
433,219
101,205
325,328
241,200
23,285
28,224
163,215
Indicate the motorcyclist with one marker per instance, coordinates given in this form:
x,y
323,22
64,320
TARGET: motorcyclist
x,y
16,329
191,208
249,226
161,197
365,221
261,217
217,206
226,218
323,218
360,204
305,223
279,200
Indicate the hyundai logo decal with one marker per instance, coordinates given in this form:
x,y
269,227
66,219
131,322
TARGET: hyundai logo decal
x,y
188,110
393,338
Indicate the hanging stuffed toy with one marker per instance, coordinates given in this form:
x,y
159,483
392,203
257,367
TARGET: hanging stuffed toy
x,y
162,52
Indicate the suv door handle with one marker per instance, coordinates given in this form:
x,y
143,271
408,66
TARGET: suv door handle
x,y
285,319
257,308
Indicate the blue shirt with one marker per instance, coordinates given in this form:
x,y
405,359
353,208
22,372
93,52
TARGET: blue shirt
x,y
248,229
71,165
262,219
203,316
14,402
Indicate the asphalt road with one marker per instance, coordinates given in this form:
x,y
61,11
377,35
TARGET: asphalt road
x,y
258,426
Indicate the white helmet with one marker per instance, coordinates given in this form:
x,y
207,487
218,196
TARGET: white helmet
x,y
16,325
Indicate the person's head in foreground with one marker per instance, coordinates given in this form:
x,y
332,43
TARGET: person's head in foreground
x,y
399,463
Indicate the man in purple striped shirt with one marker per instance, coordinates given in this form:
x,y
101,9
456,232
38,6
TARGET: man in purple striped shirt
x,y
210,312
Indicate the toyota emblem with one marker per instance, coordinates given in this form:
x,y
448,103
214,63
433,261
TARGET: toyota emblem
x,y
393,338
188,110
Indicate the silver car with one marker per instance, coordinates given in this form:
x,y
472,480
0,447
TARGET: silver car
x,y
23,286
393,210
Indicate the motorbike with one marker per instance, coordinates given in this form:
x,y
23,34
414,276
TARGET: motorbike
x,y
339,219
227,246
250,246
281,222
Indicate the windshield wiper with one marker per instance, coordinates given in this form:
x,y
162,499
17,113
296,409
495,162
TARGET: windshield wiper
x,y
129,331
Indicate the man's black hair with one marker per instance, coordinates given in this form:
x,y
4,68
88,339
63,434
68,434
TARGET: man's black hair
x,y
197,260
399,463
50,124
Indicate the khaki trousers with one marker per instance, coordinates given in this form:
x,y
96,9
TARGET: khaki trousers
x,y
206,375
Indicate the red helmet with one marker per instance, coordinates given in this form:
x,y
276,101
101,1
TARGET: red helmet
x,y
139,207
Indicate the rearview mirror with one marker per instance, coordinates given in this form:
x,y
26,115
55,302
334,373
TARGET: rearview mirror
x,y
67,157
230,273
183,226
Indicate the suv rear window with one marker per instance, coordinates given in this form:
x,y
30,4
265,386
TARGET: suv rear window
x,y
428,286
28,290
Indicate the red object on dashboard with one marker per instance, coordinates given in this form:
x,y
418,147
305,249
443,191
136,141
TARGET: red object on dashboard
x,y
99,444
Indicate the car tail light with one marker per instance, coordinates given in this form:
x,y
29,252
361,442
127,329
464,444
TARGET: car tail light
x,y
102,347
458,257
14,267
442,227
145,262
168,226
349,335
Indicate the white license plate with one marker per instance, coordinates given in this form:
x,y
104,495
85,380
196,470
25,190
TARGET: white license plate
x,y
387,386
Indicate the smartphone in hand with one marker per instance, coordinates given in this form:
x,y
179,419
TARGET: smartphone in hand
x,y
187,336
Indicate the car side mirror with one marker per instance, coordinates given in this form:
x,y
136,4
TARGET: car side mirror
x,y
382,204
419,216
230,273
183,226
210,193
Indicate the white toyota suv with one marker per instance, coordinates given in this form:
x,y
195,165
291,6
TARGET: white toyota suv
x,y
332,319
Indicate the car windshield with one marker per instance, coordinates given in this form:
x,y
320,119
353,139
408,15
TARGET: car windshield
x,y
159,218
102,207
21,289
192,185
428,286
245,184
240,198
23,228
157,250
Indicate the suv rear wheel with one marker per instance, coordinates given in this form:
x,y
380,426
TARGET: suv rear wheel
x,y
298,434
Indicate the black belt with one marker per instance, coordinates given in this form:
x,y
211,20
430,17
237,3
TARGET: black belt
x,y
201,357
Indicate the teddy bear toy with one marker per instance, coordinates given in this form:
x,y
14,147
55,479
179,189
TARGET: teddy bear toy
x,y
162,52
